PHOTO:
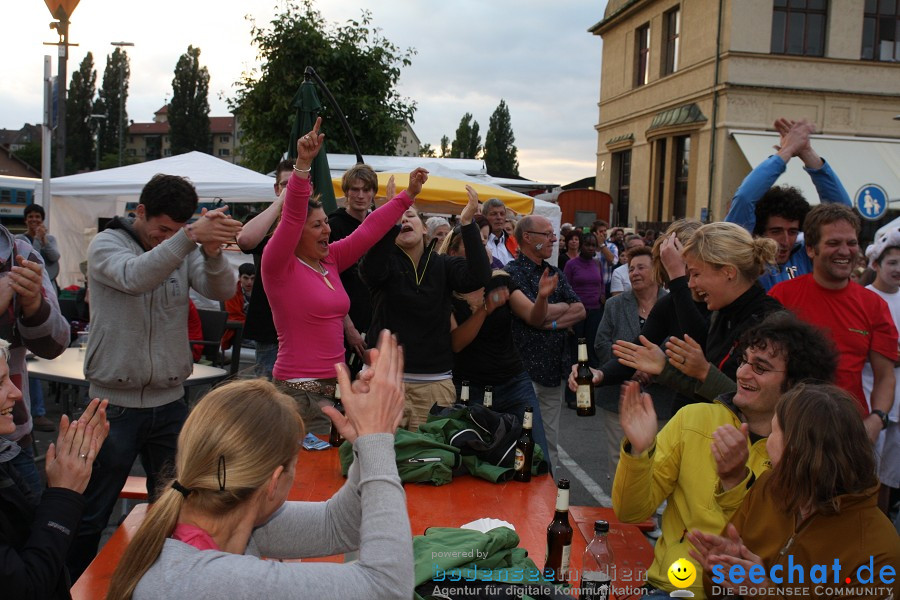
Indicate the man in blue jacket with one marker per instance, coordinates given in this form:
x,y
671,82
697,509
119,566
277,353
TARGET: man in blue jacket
x,y
778,212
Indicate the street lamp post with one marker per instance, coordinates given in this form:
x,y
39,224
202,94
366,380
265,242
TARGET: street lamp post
x,y
95,119
121,125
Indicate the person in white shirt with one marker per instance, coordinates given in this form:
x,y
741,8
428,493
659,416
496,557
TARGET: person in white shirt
x,y
620,281
501,245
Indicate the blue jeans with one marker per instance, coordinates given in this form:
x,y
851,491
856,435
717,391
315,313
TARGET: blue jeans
x,y
152,434
36,392
24,464
266,353
512,397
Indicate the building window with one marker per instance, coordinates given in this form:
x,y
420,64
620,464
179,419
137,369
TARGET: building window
x,y
798,27
224,139
622,172
671,33
167,152
682,160
641,55
881,30
224,152
131,152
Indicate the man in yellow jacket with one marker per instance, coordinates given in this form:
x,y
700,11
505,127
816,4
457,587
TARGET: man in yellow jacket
x,y
708,455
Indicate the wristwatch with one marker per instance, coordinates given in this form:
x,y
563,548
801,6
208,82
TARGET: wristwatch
x,y
881,415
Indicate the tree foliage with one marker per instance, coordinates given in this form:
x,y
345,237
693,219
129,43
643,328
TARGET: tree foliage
x,y
189,109
499,145
427,151
445,147
113,96
79,107
358,64
467,143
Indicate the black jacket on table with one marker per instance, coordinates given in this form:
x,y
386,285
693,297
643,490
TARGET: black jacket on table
x,y
35,538
413,301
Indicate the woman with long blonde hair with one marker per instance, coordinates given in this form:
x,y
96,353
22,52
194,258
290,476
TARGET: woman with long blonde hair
x,y
723,265
237,456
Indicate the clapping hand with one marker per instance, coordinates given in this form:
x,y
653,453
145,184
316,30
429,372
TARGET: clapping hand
x,y
687,356
69,462
728,550
547,284
26,279
730,448
416,180
213,229
637,417
390,190
465,217
375,406
646,356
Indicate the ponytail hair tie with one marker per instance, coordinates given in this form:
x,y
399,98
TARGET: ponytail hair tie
x,y
180,488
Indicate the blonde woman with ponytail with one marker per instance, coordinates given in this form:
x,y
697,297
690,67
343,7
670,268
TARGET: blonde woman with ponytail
x,y
723,265
235,465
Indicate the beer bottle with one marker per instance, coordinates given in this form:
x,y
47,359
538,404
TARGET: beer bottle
x,y
597,566
559,537
524,448
464,393
335,438
584,397
488,396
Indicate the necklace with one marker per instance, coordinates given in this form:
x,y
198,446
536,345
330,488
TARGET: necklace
x,y
321,271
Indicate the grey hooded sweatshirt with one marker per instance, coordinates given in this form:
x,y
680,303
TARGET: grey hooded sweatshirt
x,y
138,354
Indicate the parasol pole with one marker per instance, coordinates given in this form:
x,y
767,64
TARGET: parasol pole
x,y
311,73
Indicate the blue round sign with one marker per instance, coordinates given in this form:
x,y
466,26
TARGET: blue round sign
x,y
871,201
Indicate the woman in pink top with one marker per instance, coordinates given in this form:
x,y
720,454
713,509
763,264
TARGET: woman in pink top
x,y
301,277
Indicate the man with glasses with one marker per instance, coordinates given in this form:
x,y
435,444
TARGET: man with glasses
x,y
708,455
543,349
857,320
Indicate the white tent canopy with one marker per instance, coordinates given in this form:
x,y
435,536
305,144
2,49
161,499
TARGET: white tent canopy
x,y
78,201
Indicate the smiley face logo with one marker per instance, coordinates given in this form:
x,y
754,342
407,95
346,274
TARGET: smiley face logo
x,y
682,573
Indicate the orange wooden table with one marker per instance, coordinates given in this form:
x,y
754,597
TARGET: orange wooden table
x,y
529,507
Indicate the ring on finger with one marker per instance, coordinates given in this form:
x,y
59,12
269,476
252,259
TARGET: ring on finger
x,y
83,456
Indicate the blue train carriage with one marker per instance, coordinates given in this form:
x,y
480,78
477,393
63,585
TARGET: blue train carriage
x,y
15,194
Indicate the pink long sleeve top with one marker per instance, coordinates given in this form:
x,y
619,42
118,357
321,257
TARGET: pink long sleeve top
x,y
308,314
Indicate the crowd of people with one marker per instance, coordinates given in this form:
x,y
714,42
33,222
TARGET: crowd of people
x,y
747,385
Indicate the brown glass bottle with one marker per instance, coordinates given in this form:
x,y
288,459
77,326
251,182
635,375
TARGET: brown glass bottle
x,y
488,396
335,438
584,397
559,537
525,448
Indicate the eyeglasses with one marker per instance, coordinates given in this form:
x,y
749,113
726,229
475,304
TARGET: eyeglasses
x,y
550,235
759,370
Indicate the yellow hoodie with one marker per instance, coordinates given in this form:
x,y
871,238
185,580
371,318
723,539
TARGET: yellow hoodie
x,y
680,468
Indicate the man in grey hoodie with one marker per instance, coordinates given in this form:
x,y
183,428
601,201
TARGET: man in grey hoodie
x,y
139,272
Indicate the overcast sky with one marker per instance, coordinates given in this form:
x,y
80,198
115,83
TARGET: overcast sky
x,y
537,55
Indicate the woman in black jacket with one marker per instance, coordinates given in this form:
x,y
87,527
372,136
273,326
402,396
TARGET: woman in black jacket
x,y
35,533
411,285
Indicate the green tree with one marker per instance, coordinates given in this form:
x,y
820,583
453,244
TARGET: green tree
x,y
358,64
499,145
112,99
467,143
427,151
189,109
445,147
79,107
